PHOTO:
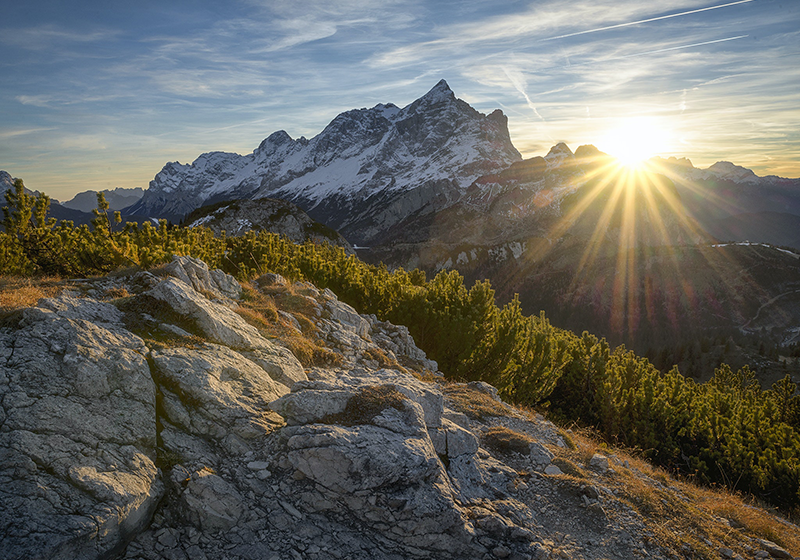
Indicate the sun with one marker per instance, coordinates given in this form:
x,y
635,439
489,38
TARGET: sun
x,y
634,140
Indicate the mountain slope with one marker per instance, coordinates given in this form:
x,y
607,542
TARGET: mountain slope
x,y
117,199
734,204
237,217
364,172
167,420
621,254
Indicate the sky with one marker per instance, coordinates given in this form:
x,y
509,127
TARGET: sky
x,y
101,94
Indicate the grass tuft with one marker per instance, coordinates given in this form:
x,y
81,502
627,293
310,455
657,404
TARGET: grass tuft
x,y
472,402
368,403
506,440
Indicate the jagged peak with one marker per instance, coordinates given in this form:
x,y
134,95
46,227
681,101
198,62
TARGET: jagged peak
x,y
439,93
672,160
560,150
277,138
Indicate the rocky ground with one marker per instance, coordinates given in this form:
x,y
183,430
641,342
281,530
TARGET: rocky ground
x,y
143,417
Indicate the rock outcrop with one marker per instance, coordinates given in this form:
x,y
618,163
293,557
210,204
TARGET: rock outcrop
x,y
162,425
237,217
78,436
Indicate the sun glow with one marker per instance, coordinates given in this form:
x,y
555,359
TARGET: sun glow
x,y
635,140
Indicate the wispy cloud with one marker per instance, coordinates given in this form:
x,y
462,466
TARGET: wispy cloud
x,y
648,20
16,133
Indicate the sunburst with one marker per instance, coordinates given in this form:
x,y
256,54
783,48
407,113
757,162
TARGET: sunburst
x,y
634,140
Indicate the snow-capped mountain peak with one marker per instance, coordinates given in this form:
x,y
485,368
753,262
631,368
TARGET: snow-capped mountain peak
x,y
440,93
367,170
735,173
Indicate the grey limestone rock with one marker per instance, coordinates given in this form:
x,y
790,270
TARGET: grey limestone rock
x,y
540,455
312,401
214,391
599,462
215,321
195,272
78,436
223,326
210,503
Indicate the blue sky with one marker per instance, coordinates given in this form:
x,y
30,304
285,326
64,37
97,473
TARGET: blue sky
x,y
101,94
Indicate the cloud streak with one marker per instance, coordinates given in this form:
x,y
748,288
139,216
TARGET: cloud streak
x,y
648,20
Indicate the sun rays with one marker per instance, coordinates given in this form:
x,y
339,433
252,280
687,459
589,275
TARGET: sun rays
x,y
620,214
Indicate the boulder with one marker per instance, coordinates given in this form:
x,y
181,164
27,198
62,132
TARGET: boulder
x,y
212,391
77,446
210,503
540,455
599,462
312,401
195,273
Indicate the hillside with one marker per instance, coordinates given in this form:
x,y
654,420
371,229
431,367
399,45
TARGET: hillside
x,y
237,217
159,422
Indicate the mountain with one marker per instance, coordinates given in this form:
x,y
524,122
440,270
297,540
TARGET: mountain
x,y
145,418
237,217
621,254
117,199
366,171
437,185
734,204
56,211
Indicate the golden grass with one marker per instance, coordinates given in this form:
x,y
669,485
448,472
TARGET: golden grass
x,y
368,403
472,402
504,440
681,515
260,309
383,359
17,292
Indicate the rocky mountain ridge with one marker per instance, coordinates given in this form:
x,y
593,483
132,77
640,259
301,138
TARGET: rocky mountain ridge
x,y
366,170
237,217
143,418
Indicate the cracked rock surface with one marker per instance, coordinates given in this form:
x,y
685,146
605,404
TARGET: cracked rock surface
x,y
200,438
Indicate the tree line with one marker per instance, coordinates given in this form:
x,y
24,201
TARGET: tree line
x,y
727,431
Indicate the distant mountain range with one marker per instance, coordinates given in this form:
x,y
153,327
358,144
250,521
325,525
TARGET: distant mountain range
x,y
57,211
117,199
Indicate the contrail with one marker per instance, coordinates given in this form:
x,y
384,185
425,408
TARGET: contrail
x,y
520,87
682,47
646,20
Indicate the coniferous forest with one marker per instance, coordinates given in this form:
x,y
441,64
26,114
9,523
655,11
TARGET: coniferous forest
x,y
728,431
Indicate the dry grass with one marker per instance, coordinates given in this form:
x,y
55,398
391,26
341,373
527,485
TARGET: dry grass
x,y
368,403
505,440
472,402
259,307
116,293
383,359
681,515
18,292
